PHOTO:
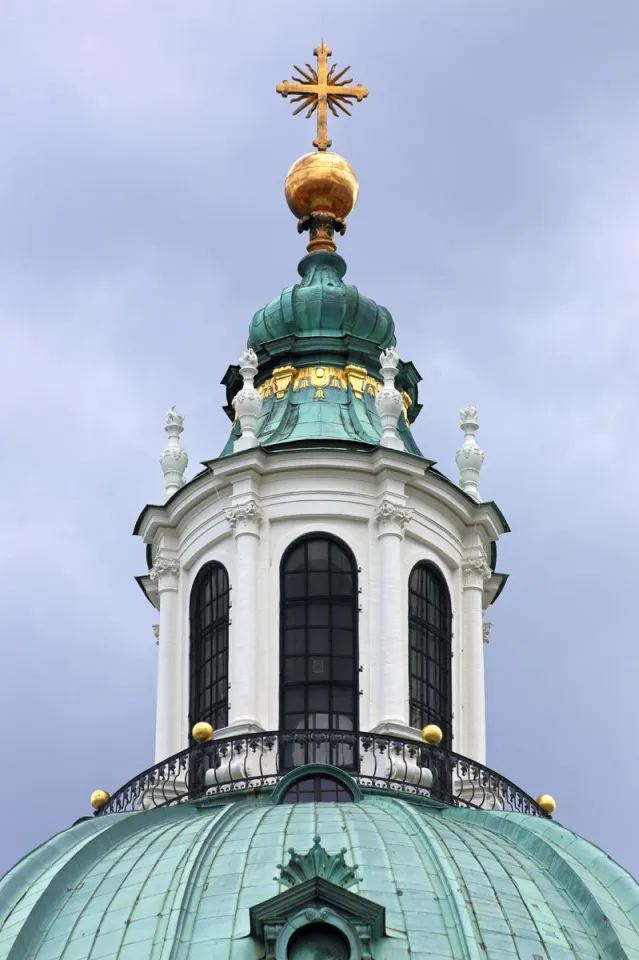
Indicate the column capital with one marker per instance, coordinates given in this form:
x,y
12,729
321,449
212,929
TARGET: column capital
x,y
166,571
245,518
391,517
475,570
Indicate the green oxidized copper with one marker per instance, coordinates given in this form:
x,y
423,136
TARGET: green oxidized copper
x,y
323,319
317,863
322,322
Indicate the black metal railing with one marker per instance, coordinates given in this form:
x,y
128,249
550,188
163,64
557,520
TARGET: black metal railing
x,y
244,763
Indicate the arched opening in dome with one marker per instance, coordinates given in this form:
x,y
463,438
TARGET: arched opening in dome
x,y
209,646
430,649
317,789
318,941
319,651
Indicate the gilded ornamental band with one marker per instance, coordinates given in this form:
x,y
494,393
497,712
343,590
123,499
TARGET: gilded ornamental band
x,y
340,378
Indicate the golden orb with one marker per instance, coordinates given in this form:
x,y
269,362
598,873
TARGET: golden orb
x,y
547,803
99,799
432,734
321,181
202,732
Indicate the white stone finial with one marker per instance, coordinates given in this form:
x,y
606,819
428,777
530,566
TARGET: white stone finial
x,y
247,402
470,457
389,400
174,459
486,626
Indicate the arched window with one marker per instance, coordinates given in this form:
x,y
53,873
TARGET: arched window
x,y
209,646
317,789
430,650
318,940
319,650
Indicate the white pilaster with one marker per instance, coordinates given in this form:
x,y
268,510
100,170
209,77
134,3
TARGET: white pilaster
x,y
166,572
392,705
245,520
475,571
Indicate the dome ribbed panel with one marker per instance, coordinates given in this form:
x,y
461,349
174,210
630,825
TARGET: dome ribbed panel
x,y
177,883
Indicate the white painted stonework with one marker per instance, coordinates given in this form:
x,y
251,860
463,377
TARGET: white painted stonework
x,y
389,400
247,508
174,459
470,456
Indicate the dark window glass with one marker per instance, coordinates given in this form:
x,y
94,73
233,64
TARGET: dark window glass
x,y
318,941
430,649
209,644
318,790
318,649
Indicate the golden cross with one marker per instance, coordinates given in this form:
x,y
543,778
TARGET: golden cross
x,y
321,90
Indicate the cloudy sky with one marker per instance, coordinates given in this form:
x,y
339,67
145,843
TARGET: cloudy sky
x,y
142,222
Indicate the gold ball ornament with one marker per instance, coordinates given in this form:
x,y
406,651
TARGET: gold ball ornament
x,y
547,803
202,732
432,734
99,799
321,181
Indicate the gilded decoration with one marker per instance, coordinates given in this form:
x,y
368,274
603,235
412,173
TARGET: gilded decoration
x,y
320,89
319,378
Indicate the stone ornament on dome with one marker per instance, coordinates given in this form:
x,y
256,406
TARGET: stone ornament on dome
x,y
317,863
389,401
247,402
174,459
470,457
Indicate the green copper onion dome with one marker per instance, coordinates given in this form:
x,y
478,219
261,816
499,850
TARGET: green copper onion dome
x,y
317,350
322,319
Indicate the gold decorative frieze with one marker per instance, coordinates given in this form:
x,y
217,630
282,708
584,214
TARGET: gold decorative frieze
x,y
322,377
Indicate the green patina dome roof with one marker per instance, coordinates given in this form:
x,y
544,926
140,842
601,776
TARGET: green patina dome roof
x,y
323,324
322,306
455,883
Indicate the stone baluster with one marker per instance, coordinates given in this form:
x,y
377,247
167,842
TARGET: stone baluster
x,y
247,402
174,459
389,401
470,457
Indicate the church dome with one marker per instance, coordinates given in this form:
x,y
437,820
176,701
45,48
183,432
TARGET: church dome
x,y
424,880
322,319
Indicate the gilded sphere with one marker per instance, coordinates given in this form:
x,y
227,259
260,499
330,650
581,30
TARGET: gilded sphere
x,y
321,181
547,803
202,732
99,799
432,734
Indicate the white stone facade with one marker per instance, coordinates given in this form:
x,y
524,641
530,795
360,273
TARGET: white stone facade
x,y
391,511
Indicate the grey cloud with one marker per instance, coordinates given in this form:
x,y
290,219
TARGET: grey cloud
x,y
142,222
